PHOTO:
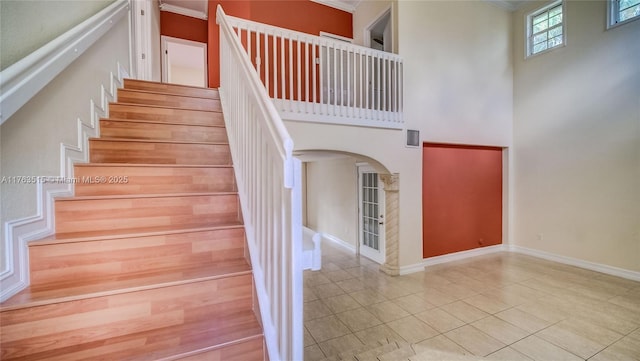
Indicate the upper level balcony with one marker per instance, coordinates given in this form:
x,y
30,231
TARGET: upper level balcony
x,y
321,79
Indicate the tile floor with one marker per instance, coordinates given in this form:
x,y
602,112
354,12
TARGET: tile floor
x,y
502,306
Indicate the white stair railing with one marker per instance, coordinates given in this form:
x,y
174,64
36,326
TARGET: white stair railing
x,y
268,179
321,79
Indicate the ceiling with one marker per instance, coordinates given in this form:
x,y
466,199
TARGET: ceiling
x,y
194,8
510,5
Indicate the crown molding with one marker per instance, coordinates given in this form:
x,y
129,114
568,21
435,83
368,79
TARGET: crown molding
x,y
336,4
504,4
183,11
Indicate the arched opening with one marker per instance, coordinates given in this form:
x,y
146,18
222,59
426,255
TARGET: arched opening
x,y
351,200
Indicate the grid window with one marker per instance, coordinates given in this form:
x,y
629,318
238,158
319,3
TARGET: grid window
x,y
545,29
622,11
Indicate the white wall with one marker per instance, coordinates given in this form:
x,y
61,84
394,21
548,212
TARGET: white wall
x,y
30,139
156,51
25,26
458,72
332,198
577,140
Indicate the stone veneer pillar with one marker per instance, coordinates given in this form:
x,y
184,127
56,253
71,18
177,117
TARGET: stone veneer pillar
x,y
391,222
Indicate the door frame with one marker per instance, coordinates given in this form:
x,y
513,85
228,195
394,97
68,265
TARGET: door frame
x,y
378,256
388,11
164,43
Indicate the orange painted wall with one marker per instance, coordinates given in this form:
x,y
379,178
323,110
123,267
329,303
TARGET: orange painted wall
x,y
183,27
300,15
304,16
461,198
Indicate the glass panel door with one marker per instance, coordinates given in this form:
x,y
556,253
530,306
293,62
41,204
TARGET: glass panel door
x,y
371,204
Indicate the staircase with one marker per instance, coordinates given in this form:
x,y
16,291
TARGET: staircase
x,y
149,259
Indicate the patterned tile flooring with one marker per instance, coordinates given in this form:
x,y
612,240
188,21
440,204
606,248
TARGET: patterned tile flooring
x,y
503,306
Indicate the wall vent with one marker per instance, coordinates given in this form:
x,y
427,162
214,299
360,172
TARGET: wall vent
x,y
413,138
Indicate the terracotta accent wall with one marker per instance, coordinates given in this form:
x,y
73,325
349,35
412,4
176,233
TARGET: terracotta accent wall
x,y
304,16
461,198
301,15
183,27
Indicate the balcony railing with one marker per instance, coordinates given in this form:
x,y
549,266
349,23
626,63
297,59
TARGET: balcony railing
x,y
320,79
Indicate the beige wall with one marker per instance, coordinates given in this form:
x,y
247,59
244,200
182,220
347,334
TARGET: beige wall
x,y
25,26
332,198
458,75
577,140
30,139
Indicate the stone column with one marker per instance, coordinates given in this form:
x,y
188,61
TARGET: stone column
x,y
391,223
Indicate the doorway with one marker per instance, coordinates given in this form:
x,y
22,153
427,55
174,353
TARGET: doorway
x,y
184,62
378,35
371,214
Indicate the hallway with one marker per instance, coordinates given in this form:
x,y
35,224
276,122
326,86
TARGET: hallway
x,y
503,306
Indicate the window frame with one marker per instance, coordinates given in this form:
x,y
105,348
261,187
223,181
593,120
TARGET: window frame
x,y
528,51
613,13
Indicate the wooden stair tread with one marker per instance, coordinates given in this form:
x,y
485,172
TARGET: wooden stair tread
x,y
202,336
169,88
130,178
158,92
152,165
177,100
128,196
154,141
169,343
164,113
128,233
102,286
164,107
158,122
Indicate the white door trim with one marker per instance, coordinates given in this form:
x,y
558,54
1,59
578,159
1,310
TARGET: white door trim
x,y
164,43
141,47
367,29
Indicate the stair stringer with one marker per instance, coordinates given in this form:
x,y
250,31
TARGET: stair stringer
x,y
18,233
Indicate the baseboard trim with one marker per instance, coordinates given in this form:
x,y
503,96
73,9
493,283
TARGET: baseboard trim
x,y
337,241
598,267
431,261
19,232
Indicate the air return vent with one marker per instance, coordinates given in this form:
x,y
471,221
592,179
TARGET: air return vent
x,y
413,138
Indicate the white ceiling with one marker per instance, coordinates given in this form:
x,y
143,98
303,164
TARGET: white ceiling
x,y
193,8
510,5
